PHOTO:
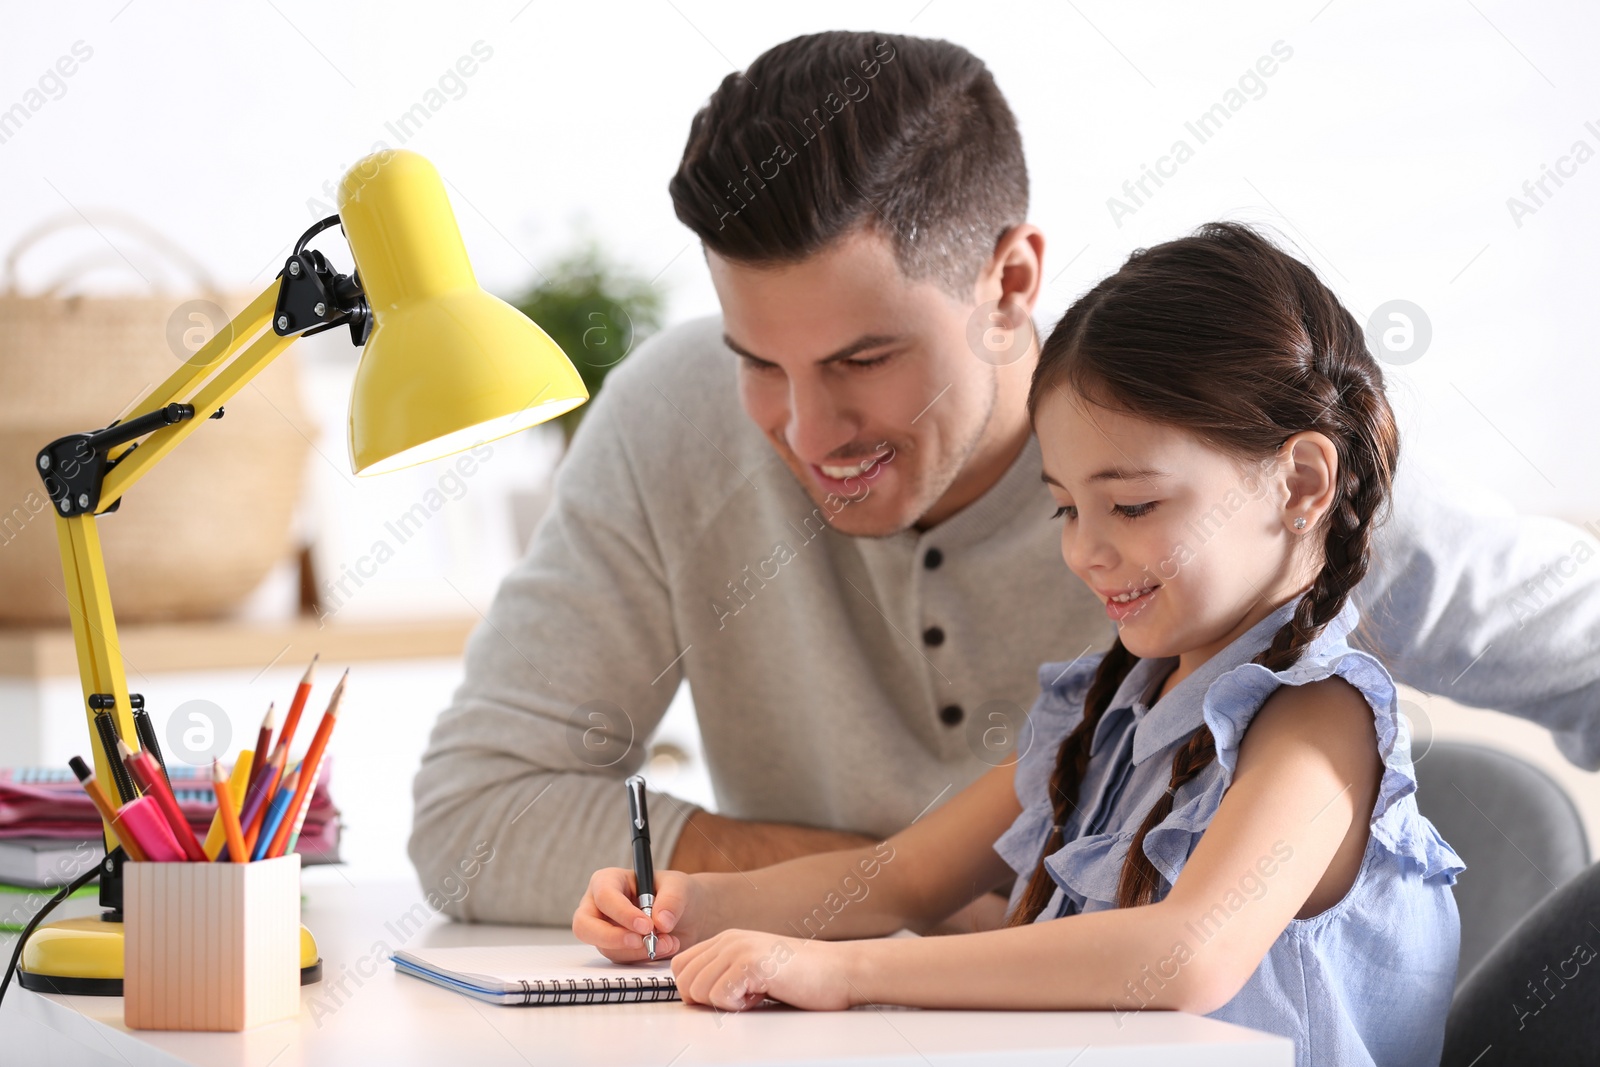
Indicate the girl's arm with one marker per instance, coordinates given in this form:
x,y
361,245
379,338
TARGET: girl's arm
x,y
918,877
1299,803
915,879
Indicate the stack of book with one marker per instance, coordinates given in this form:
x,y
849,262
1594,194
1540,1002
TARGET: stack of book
x,y
50,831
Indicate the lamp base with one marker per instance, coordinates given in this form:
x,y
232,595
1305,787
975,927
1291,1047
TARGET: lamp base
x,y
83,957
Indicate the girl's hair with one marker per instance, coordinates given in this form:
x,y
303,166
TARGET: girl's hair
x,y
1227,336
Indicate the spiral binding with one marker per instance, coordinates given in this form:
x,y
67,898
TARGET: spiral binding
x,y
598,990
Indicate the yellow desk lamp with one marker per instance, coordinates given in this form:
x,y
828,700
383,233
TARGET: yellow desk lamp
x,y
444,366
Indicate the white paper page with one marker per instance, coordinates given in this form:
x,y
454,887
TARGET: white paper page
x,y
495,966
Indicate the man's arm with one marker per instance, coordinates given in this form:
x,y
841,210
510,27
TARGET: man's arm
x,y
1488,608
565,681
717,843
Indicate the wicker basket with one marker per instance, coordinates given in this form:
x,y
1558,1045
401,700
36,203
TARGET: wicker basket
x,y
197,534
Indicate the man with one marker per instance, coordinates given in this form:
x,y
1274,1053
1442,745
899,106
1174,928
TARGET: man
x,y
824,510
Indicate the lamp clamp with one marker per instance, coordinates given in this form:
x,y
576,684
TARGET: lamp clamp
x,y
313,296
74,467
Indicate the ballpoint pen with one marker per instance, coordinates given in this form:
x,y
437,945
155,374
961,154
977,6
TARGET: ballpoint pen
x,y
643,872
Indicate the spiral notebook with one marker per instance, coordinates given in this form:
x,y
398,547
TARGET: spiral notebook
x,y
527,975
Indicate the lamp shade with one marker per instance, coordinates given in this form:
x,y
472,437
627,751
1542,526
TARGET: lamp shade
x,y
446,365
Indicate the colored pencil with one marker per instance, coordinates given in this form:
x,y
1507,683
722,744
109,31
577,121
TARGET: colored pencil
x,y
263,744
300,816
302,693
238,785
275,814
103,805
255,805
153,783
309,768
142,820
226,812
299,821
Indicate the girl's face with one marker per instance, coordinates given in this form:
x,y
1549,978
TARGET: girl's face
x,y
1186,546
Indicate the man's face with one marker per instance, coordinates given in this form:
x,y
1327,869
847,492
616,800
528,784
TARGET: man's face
x,y
863,381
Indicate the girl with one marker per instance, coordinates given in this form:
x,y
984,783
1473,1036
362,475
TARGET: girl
x,y
1216,814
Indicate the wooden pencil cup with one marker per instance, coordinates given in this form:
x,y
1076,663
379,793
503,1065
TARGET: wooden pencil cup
x,y
211,946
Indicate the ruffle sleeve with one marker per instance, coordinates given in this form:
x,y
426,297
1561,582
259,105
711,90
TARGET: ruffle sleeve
x,y
1234,699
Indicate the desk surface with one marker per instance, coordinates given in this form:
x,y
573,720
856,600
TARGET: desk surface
x,y
365,1013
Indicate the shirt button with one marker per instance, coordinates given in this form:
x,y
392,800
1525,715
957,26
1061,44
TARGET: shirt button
x,y
932,558
933,636
951,714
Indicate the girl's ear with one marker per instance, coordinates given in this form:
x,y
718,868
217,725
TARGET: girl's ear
x,y
1313,472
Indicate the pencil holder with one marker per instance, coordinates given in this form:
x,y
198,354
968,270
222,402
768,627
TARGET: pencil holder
x,y
211,946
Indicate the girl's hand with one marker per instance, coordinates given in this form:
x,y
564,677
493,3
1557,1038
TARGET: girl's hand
x,y
609,919
737,969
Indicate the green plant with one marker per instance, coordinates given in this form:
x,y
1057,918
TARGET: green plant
x,y
596,310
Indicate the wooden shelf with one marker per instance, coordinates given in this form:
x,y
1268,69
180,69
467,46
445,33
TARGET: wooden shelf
x,y
48,652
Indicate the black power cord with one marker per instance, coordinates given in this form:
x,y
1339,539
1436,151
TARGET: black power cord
x,y
66,891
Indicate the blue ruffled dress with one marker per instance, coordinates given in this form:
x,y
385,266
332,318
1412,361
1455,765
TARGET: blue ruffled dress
x,y
1369,980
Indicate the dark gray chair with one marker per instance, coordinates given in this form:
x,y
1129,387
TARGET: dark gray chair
x,y
1532,999
1516,829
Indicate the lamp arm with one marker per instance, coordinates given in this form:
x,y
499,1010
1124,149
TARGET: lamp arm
x,y
86,475
74,467
308,296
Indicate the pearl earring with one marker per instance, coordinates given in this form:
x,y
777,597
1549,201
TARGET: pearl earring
x,y
1300,523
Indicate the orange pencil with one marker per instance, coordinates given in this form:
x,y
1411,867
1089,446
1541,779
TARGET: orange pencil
x,y
309,767
301,694
225,812
238,785
103,805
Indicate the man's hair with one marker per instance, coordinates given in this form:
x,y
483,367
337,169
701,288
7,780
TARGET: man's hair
x,y
832,131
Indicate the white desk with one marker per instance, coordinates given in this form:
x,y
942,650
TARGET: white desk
x,y
364,1013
